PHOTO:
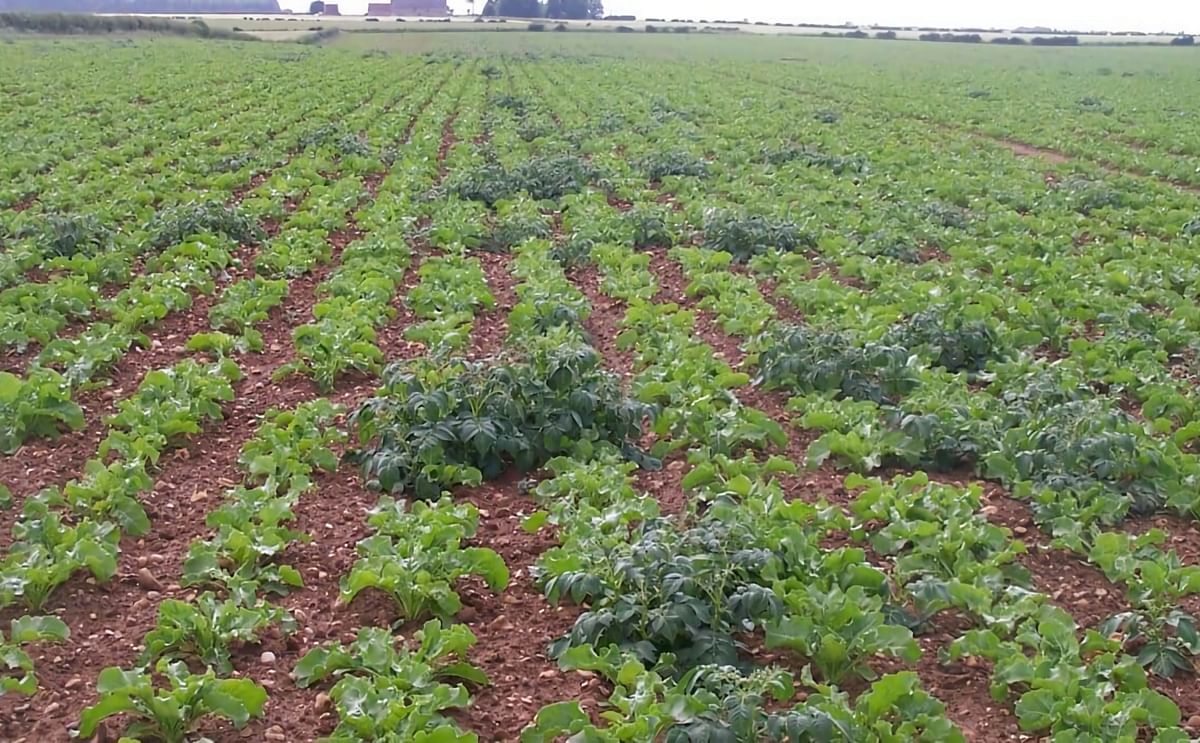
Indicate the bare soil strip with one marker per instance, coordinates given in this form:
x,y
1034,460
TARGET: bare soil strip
x,y
1024,149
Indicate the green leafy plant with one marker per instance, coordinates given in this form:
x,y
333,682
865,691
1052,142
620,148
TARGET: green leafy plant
x,y
208,629
807,360
837,621
385,692
416,556
687,590
1067,686
243,555
291,445
744,236
35,407
170,713
1163,635
437,425
177,223
46,552
16,667
68,235
168,404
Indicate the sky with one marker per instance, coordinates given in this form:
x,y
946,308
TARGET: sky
x,y
1147,15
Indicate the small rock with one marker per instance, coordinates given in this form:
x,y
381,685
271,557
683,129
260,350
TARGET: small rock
x,y
468,614
143,561
146,580
548,674
1194,722
274,733
1101,593
73,683
51,708
267,657
324,703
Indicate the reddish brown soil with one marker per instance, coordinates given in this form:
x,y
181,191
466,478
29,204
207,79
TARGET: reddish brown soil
x,y
604,322
334,515
515,630
448,141
27,471
618,203
672,287
491,325
303,714
1022,149
24,203
187,487
787,314
1183,535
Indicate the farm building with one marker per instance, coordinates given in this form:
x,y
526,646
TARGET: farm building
x,y
331,9
419,8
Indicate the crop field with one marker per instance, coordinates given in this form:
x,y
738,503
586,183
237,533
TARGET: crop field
x,y
535,387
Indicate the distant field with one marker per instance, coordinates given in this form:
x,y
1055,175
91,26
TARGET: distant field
x,y
619,388
285,27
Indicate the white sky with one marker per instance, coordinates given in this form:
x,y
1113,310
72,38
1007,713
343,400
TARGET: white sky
x,y
1147,15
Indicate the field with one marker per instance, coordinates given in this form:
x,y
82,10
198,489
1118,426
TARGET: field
x,y
443,387
289,27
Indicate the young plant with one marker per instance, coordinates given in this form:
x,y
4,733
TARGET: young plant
x,y
1164,636
47,552
208,629
16,667
242,556
170,713
416,556
38,406
385,692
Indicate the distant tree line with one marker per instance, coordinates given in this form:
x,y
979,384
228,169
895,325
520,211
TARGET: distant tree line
x,y
954,38
573,9
1055,41
140,6
79,23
